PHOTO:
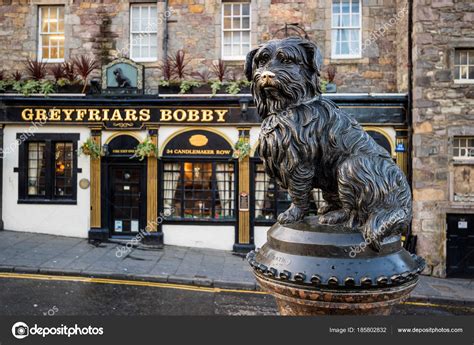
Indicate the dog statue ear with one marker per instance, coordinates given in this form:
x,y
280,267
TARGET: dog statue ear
x,y
248,64
315,53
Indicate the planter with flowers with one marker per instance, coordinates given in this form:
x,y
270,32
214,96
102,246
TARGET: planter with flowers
x,y
241,149
91,148
145,149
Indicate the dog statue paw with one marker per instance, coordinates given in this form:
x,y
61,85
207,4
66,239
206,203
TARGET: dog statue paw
x,y
292,215
307,142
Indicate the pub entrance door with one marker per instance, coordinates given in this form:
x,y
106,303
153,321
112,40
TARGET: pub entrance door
x,y
126,199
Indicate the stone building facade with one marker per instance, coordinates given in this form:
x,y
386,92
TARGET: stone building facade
x,y
443,184
102,28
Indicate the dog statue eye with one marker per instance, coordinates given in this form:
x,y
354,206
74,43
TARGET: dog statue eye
x,y
286,61
263,60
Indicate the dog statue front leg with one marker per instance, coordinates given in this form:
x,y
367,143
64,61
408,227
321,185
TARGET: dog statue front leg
x,y
299,188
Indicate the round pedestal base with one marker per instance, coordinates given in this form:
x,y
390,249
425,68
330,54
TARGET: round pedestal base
x,y
298,301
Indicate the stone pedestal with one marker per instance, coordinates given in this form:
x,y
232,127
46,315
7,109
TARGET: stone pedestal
x,y
315,269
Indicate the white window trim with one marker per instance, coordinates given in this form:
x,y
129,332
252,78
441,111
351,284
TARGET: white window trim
x,y
40,44
347,56
236,57
147,59
462,158
457,66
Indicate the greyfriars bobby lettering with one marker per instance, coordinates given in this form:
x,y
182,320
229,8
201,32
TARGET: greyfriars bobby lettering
x,y
307,142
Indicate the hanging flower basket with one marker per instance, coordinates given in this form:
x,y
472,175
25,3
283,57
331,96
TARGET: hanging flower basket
x,y
241,149
145,149
91,148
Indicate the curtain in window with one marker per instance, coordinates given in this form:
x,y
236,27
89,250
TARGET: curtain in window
x,y
225,183
261,188
170,182
35,168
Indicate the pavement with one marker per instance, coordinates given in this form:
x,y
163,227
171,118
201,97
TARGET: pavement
x,y
32,253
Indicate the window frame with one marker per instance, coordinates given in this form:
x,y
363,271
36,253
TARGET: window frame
x,y
141,59
41,33
254,161
469,80
462,158
223,30
50,140
333,29
199,221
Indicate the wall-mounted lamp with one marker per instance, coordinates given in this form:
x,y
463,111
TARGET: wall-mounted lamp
x,y
105,149
244,107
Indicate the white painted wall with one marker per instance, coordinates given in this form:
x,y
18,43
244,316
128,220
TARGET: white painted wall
x,y
260,235
201,236
64,220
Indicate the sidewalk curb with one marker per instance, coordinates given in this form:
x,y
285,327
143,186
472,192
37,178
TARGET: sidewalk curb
x,y
199,282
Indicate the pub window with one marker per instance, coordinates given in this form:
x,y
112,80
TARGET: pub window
x,y
464,65
271,199
463,147
48,169
346,29
143,33
199,190
51,33
235,30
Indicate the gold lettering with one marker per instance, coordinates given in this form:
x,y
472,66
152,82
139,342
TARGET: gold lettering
x,y
41,115
68,114
130,115
144,115
207,116
27,114
55,114
176,115
116,116
165,115
94,115
193,115
80,113
221,114
105,115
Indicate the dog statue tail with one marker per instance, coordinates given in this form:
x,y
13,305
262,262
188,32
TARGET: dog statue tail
x,y
382,224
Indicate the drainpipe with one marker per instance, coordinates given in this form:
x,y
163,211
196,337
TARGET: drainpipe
x,y
165,31
410,89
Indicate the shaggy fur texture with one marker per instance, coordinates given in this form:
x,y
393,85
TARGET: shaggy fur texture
x,y
307,142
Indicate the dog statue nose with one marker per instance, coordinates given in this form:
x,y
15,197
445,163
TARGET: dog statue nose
x,y
267,76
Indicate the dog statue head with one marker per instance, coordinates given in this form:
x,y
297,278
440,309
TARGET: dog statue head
x,y
283,73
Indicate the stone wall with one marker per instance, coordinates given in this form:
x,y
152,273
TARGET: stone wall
x,y
441,110
101,27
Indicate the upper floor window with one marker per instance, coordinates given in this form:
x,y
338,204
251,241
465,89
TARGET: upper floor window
x,y
143,33
51,33
235,30
463,147
346,29
464,65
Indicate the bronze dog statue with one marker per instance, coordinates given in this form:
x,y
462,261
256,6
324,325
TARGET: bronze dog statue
x,y
307,142
121,79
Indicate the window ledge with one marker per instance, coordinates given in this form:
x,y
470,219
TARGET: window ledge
x,y
465,161
52,60
47,202
463,81
234,58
